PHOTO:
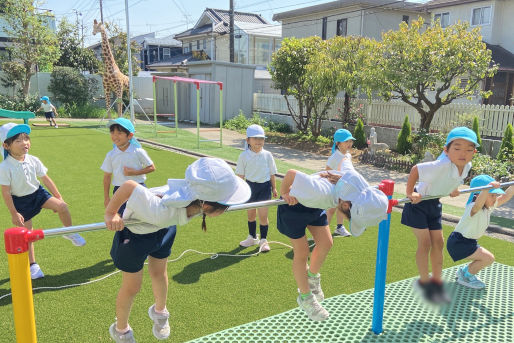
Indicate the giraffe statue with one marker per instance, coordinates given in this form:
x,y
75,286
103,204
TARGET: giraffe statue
x,y
113,79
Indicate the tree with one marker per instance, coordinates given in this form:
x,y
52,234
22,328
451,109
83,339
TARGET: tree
x,y
360,135
404,144
70,87
34,44
288,69
118,42
72,54
13,73
507,148
429,68
477,131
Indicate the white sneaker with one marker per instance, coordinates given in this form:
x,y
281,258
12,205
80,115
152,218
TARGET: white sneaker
x,y
127,337
161,326
312,308
249,241
56,126
341,231
36,272
76,239
315,287
263,245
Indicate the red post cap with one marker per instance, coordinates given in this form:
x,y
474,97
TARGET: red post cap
x,y
392,202
387,186
17,239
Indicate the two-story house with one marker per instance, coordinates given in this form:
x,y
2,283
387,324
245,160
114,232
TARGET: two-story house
x,y
495,19
367,18
254,38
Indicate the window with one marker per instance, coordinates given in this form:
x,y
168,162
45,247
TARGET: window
x,y
190,46
342,25
166,53
198,45
405,18
324,28
205,44
481,16
186,49
443,17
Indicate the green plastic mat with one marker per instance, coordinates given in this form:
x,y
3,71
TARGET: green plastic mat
x,y
473,316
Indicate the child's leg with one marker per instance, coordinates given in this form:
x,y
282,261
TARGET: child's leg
x,y
340,217
300,258
159,276
436,253
130,286
481,259
324,242
252,224
263,221
424,244
61,208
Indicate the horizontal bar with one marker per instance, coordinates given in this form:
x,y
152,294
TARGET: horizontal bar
x,y
468,190
80,228
252,205
209,140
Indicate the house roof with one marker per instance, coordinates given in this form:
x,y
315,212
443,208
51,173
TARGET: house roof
x,y
167,41
254,29
181,59
445,3
220,22
334,5
502,56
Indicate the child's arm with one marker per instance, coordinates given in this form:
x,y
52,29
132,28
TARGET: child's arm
x,y
273,185
55,111
50,185
286,187
480,201
415,197
133,172
509,193
107,187
17,218
112,219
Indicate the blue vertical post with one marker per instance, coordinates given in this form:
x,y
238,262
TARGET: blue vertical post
x,y
387,186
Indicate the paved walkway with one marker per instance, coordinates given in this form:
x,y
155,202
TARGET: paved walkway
x,y
317,162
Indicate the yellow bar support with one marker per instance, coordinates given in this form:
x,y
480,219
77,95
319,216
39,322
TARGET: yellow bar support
x,y
154,106
221,117
198,115
176,107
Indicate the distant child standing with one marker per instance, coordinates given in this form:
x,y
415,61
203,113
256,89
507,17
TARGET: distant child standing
x,y
340,159
23,194
441,177
462,243
50,111
257,166
307,196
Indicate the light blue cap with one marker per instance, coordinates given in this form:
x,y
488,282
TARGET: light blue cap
x,y
341,135
10,130
481,181
462,132
127,124
45,98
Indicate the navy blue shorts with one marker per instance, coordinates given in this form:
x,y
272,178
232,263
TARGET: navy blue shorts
x,y
30,205
426,214
260,191
122,207
460,247
49,115
129,250
292,220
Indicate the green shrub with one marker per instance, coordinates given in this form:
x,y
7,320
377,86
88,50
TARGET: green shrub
x,y
404,144
485,164
20,103
360,135
69,86
81,111
432,142
507,147
477,131
240,123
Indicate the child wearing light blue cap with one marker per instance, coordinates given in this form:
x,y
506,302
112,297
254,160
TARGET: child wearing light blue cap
x,y
50,111
437,178
339,160
22,192
462,243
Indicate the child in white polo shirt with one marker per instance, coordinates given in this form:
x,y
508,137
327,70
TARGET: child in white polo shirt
x,y
50,111
462,243
340,159
257,166
438,178
307,197
23,194
209,188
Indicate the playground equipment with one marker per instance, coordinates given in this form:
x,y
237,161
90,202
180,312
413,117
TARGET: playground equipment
x,y
197,82
25,115
17,241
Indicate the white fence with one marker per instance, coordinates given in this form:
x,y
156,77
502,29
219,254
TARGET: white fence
x,y
493,118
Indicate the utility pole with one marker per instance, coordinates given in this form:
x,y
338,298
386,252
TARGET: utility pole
x,y
129,56
231,26
101,12
77,14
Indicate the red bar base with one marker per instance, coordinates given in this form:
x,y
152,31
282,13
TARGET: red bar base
x,y
17,239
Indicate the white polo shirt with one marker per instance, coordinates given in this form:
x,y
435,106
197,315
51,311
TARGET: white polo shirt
x,y
440,177
313,191
47,107
256,167
22,176
474,227
339,161
133,157
144,205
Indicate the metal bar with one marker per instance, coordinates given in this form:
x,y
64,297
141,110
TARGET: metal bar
x,y
251,205
221,116
468,190
80,228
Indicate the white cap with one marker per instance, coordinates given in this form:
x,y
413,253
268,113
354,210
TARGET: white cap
x,y
256,131
208,179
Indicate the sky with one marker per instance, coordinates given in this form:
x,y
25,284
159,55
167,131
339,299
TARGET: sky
x,y
165,17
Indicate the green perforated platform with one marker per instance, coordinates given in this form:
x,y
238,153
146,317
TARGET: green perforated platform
x,y
475,316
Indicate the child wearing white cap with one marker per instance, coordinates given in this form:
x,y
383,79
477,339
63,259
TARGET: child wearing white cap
x,y
22,192
462,243
209,188
340,159
440,177
257,166
307,197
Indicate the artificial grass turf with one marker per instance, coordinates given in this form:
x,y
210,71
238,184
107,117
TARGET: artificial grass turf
x,y
205,295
